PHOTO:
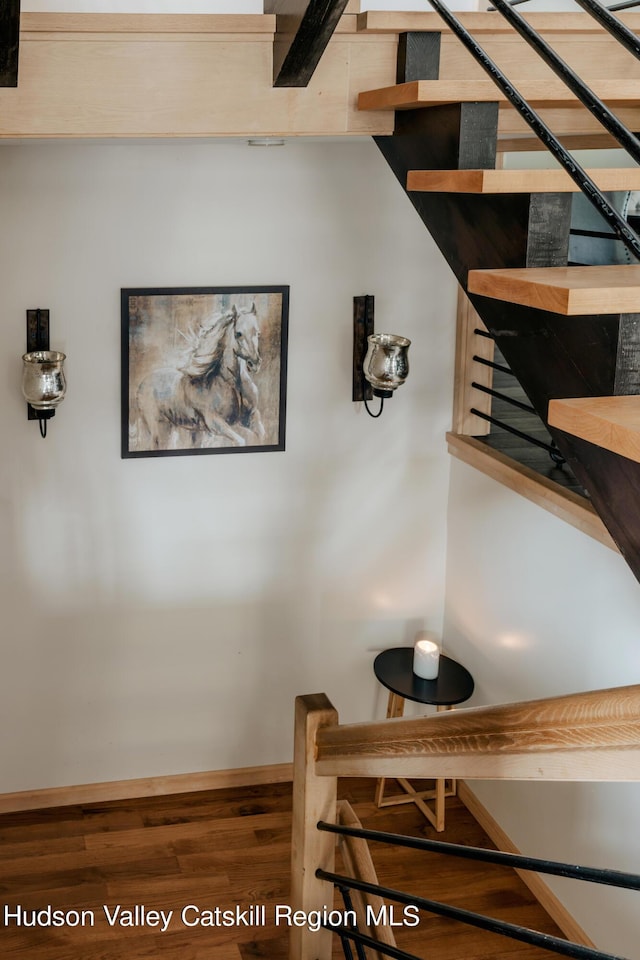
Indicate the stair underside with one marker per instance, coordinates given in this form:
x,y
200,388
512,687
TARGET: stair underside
x,y
571,291
517,181
609,422
564,331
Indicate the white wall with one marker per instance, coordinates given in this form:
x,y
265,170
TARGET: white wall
x,y
535,608
160,615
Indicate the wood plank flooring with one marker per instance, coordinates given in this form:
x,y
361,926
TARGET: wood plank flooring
x,y
228,849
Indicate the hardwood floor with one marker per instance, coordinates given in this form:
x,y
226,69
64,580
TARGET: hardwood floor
x,y
228,849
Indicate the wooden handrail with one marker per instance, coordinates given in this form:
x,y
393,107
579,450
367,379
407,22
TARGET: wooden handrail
x,y
586,736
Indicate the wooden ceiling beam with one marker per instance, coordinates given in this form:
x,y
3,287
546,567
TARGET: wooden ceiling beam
x,y
303,30
9,40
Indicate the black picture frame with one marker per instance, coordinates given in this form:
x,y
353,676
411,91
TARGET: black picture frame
x,y
204,370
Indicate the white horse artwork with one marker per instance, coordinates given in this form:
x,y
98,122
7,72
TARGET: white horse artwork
x,y
211,399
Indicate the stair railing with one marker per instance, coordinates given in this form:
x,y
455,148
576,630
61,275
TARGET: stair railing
x,y
558,945
612,25
625,5
570,78
577,173
593,736
550,447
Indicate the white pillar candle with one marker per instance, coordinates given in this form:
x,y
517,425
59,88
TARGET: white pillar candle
x,y
426,657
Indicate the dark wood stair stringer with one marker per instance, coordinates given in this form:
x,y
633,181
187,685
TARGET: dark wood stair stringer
x,y
9,42
552,356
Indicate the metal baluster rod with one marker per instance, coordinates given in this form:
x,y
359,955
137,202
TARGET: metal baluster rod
x,y
348,903
366,941
577,173
514,3
503,396
612,25
561,68
626,5
493,365
552,451
614,878
511,930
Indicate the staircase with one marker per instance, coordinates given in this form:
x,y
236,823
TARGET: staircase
x,y
572,337
589,736
569,334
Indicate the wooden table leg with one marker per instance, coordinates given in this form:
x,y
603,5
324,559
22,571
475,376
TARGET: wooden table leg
x,y
436,817
395,708
441,791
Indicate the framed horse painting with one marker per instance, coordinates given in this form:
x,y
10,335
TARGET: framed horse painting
x,y
204,370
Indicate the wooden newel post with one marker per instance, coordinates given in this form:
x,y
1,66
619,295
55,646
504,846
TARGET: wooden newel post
x,y
314,798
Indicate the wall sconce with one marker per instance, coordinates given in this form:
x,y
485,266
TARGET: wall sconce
x,y
380,360
43,381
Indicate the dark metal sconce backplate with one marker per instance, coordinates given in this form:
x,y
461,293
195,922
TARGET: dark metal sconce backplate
x,y
38,339
363,319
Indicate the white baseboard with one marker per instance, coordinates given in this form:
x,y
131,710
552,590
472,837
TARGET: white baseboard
x,y
547,900
147,787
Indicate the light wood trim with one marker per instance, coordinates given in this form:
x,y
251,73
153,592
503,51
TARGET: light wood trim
x,y
468,371
152,76
609,422
577,141
119,76
146,787
517,181
562,503
359,864
586,736
433,93
314,799
538,887
381,21
571,122
570,291
34,23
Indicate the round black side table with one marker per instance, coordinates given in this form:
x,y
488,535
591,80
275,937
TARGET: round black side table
x,y
454,684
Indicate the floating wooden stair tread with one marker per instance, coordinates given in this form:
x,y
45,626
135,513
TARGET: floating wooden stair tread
x,y
609,422
547,93
517,181
570,291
